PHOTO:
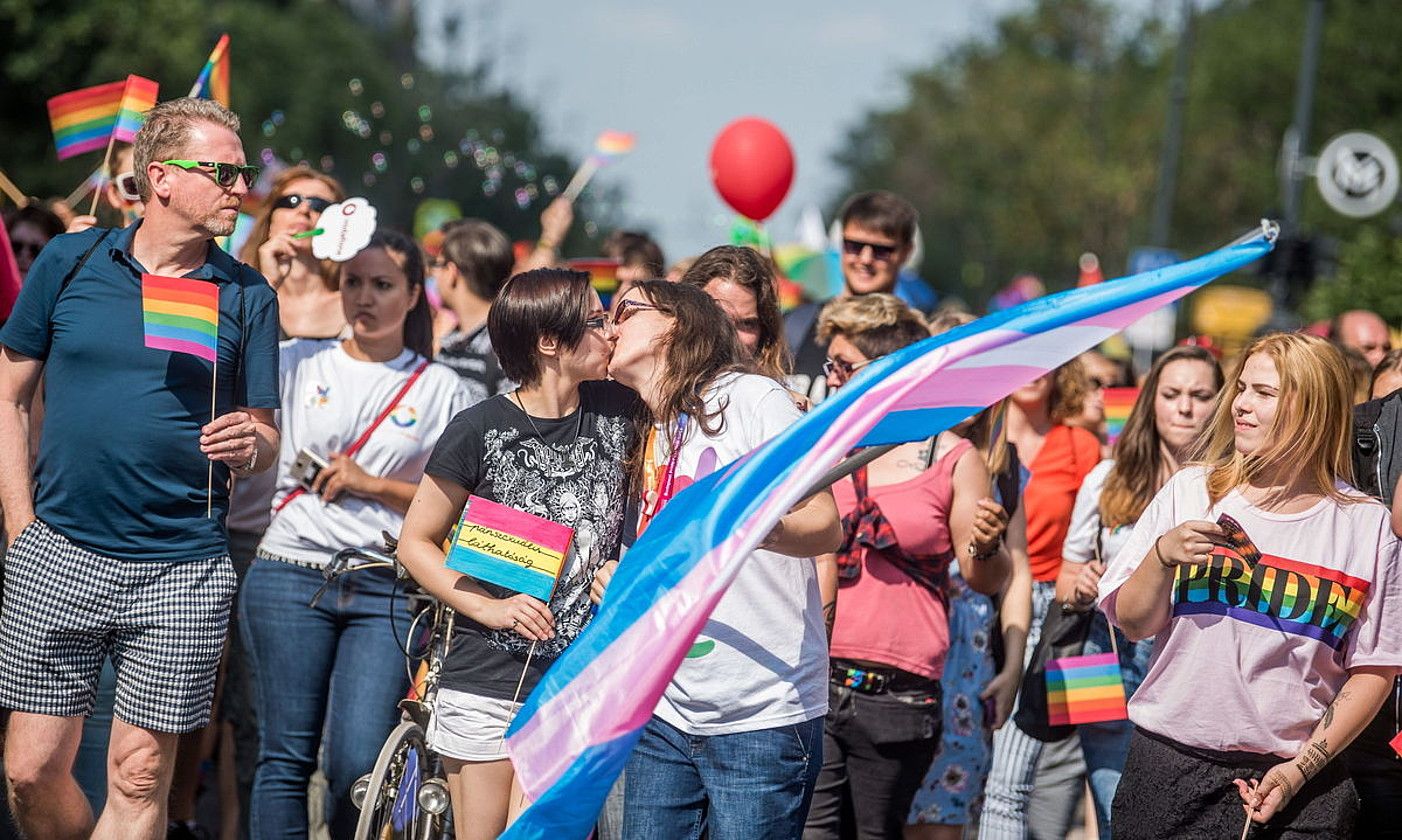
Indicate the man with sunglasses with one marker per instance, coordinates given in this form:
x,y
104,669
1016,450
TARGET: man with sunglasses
x,y
878,232
112,553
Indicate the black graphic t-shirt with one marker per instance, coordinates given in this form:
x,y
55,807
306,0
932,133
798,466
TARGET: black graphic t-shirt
x,y
571,471
471,355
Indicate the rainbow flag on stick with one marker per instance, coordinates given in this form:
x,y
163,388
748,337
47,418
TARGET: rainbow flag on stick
x,y
181,315
1119,402
83,120
213,82
608,147
1085,689
507,547
138,97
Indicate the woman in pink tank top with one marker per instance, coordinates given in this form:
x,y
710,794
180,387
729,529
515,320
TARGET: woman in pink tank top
x,y
906,516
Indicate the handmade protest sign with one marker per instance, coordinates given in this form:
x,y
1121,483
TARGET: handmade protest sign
x,y
510,548
1085,689
346,228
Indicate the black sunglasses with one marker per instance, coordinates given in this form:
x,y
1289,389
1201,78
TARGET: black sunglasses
x,y
225,174
880,253
292,201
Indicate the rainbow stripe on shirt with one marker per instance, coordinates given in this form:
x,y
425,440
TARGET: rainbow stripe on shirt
x,y
1273,592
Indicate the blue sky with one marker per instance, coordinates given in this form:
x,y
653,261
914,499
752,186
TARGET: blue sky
x,y
676,72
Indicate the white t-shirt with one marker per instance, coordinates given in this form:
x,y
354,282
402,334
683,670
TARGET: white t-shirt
x,y
761,661
1085,519
328,400
1257,648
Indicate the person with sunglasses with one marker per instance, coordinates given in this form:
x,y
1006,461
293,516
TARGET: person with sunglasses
x,y
30,228
556,448
908,518
878,234
118,546
734,746
308,303
120,191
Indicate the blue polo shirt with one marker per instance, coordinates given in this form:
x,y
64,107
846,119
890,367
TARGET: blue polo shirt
x,y
120,470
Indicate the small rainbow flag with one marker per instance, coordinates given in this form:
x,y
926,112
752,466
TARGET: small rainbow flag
x,y
83,120
213,82
603,275
181,315
138,97
501,545
1085,689
612,144
1119,402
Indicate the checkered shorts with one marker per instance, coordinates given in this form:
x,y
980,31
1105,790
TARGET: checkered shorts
x,y
66,609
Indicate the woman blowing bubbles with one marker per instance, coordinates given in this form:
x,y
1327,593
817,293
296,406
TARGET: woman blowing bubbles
x,y
1273,590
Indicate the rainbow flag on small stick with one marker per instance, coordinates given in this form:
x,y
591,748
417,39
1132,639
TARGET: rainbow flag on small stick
x,y
608,146
138,97
181,315
213,82
498,544
83,120
1085,689
1119,402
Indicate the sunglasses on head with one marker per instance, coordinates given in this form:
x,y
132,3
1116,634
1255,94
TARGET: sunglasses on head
x,y
126,186
225,174
880,253
292,201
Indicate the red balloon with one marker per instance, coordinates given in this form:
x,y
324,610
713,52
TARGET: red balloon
x,y
752,167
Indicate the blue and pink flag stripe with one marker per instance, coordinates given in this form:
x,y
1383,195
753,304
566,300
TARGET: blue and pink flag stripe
x,y
574,735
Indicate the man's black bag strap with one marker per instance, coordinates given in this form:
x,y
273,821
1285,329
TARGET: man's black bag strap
x,y
78,266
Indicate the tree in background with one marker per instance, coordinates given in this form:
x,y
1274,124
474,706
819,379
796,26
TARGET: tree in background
x,y
311,81
1026,148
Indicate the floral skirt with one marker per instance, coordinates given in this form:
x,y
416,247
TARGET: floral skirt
x,y
953,787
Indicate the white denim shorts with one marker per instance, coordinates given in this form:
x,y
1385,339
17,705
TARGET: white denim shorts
x,y
470,727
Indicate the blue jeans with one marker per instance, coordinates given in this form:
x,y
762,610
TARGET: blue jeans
x,y
326,679
728,787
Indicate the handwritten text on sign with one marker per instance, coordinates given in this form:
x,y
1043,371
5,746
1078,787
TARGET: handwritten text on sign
x,y
509,548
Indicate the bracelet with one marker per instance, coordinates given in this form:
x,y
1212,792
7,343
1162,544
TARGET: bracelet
x,y
1160,556
547,244
974,552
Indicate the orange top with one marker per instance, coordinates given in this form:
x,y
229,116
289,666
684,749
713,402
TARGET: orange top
x,y
1067,455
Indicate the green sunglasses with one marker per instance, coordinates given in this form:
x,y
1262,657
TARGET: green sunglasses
x,y
225,174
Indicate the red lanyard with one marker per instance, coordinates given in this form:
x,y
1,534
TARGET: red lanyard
x,y
666,484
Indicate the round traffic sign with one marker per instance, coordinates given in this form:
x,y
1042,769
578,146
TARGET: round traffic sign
x,y
1357,174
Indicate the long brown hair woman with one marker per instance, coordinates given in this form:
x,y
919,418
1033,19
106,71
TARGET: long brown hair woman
x,y
307,290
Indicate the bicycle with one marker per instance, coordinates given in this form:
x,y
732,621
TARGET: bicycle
x,y
405,794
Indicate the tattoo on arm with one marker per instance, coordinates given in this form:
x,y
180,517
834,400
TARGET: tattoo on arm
x,y
1281,780
1313,759
830,615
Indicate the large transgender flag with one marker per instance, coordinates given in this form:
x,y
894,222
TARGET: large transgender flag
x,y
573,736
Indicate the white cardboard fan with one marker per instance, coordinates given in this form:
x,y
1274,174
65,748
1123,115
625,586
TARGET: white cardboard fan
x,y
345,229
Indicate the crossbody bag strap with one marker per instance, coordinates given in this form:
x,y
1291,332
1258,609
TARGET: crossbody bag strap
x,y
365,435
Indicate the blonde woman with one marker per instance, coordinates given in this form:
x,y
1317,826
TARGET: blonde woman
x,y
1273,589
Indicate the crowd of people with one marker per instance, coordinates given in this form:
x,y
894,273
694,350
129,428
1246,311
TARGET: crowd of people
x,y
868,674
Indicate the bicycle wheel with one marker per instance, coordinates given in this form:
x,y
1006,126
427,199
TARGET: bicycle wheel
x,y
391,810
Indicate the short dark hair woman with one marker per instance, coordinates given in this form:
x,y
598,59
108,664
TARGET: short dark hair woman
x,y
556,448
